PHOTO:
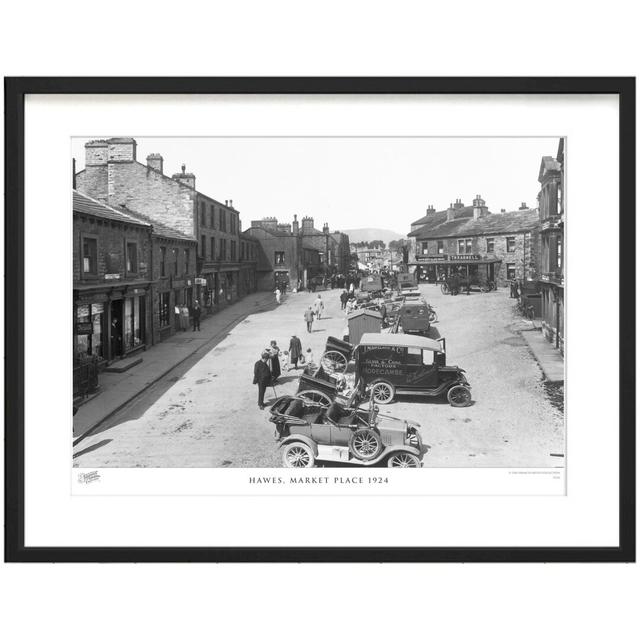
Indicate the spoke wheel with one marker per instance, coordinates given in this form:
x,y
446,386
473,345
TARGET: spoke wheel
x,y
334,361
382,392
365,444
298,455
315,396
459,396
444,288
404,460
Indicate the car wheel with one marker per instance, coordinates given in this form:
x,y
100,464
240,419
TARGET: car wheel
x,y
444,289
383,392
334,361
298,455
365,444
403,459
315,396
459,396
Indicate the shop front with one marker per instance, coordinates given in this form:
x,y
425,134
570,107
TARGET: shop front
x,y
470,266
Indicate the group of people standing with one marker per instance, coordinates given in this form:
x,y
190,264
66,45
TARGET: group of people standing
x,y
268,369
314,311
185,316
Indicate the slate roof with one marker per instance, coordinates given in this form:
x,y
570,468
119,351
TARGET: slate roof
x,y
442,215
493,223
84,204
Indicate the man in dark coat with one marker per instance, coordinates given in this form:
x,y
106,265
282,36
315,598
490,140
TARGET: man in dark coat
x,y
196,313
295,351
262,377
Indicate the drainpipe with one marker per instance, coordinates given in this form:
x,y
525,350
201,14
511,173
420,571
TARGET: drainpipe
x,y
557,319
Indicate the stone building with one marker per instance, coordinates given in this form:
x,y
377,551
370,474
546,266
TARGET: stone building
x,y
113,175
112,279
292,252
473,241
282,258
173,269
551,274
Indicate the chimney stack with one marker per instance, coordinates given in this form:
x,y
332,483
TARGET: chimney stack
x,y
450,212
185,178
479,208
231,203
155,161
430,210
295,225
523,206
95,180
325,228
458,204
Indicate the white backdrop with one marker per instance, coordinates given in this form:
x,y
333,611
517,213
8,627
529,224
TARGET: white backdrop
x,y
372,38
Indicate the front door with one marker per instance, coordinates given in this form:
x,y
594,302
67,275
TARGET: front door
x,y
115,330
421,371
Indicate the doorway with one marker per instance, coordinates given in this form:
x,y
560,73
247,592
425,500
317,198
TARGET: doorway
x,y
116,329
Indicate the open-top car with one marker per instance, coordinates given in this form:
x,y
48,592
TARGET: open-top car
x,y
307,432
392,364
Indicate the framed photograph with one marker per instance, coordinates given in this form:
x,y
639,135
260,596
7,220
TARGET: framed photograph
x,y
320,319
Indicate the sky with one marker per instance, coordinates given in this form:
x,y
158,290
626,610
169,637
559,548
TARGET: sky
x,y
352,182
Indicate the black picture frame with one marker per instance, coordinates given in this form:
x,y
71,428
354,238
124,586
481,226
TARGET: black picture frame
x,y
15,91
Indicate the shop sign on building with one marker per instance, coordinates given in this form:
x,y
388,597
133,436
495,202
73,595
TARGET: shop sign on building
x,y
201,281
84,328
112,276
442,257
465,257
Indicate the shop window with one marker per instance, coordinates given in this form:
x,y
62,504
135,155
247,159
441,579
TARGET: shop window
x,y
186,260
511,270
133,323
491,245
165,309
279,257
89,319
440,247
132,257
511,244
90,256
163,261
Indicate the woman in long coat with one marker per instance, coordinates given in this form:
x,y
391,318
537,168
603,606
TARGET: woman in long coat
x,y
274,360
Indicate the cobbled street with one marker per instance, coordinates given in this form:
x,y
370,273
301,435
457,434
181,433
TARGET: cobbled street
x,y
207,416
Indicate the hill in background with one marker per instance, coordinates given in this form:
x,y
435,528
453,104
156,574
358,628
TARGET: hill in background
x,y
368,235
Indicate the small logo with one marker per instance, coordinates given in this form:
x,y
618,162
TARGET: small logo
x,y
87,478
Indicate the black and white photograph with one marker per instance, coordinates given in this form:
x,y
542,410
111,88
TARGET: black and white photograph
x,y
335,302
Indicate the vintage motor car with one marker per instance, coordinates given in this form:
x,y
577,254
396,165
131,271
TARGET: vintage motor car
x,y
392,364
307,432
415,317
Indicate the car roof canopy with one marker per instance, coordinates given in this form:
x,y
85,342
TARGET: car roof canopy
x,y
399,340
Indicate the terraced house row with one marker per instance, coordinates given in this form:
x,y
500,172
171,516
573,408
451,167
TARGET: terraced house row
x,y
146,243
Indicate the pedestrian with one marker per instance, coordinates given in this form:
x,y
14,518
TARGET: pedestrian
x,y
318,306
262,377
295,351
184,317
344,296
197,312
176,315
274,361
309,361
278,295
308,318
351,287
